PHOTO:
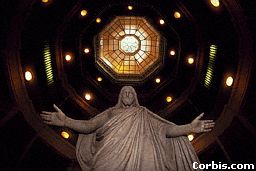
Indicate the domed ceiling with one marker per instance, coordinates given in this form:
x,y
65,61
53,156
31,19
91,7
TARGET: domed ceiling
x,y
129,49
80,53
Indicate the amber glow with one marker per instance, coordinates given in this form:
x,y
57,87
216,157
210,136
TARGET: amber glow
x,y
168,99
88,96
177,15
98,20
86,50
127,47
28,76
45,1
229,81
157,80
68,57
215,3
190,60
64,134
83,13
99,79
161,22
130,7
190,137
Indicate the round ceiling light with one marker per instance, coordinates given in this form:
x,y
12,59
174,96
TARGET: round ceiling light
x,y
168,99
172,52
190,60
177,15
65,135
130,7
98,20
161,21
28,76
99,79
229,81
190,137
68,57
83,13
45,1
88,96
157,80
215,3
86,50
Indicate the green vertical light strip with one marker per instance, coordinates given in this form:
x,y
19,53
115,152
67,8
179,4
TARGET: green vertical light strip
x,y
48,63
211,66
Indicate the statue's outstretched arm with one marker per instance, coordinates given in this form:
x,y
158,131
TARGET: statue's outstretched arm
x,y
196,126
58,118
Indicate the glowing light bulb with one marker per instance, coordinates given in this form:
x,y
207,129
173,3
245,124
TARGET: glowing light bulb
x,y
83,13
177,15
161,21
158,80
98,20
99,79
190,137
28,76
86,50
172,52
64,134
168,99
190,60
229,81
68,57
45,1
215,3
130,7
87,96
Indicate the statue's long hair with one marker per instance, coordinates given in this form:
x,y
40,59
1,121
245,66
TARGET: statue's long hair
x,y
135,102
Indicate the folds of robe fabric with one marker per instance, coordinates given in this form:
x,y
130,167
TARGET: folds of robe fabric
x,y
134,140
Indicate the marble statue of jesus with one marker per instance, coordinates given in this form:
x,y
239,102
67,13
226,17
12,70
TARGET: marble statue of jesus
x,y
129,137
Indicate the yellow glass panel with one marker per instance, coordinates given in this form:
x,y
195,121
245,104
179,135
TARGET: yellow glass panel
x,y
132,63
141,30
114,34
121,56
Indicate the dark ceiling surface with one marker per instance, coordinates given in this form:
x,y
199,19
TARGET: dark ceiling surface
x,y
31,28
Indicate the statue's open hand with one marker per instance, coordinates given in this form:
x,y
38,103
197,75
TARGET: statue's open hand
x,y
56,118
199,126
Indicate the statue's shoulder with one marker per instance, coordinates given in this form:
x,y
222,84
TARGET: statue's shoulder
x,y
155,116
106,112
144,108
113,110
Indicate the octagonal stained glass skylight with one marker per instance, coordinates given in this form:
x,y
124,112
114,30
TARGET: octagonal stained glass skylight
x,y
129,49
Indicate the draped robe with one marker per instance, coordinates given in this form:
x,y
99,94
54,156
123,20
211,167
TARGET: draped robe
x,y
134,139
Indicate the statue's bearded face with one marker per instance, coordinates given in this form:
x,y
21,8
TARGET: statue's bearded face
x,y
127,97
